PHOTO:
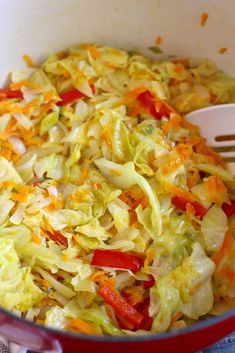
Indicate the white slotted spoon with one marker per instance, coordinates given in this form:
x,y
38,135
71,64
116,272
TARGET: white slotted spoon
x,y
217,125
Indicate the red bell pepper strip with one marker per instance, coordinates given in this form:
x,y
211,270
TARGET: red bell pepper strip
x,y
117,259
71,96
142,308
120,305
147,100
179,202
150,282
229,210
8,93
57,236
147,322
124,324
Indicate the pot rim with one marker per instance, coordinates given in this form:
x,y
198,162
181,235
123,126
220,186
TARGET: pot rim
x,y
125,339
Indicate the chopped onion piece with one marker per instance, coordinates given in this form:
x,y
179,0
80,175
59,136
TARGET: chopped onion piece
x,y
17,144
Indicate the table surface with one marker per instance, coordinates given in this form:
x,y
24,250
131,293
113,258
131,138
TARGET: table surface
x,y
226,345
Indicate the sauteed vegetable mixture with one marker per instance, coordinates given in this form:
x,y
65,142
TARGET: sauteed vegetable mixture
x,y
116,217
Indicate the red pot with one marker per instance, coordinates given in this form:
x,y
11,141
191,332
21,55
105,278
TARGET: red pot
x,y
188,340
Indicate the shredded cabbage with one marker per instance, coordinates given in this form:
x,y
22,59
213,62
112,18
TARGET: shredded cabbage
x,y
104,184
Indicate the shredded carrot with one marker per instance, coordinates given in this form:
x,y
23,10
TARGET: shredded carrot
x,y
34,103
47,301
193,141
47,107
80,195
215,189
229,273
7,153
199,144
9,107
18,197
43,283
94,185
84,175
66,74
135,294
186,195
159,104
159,40
134,199
193,179
172,124
40,321
144,201
106,137
24,189
132,95
28,60
124,198
207,151
136,110
204,18
56,203
8,184
81,326
179,68
16,158
150,256
222,50
49,95
18,85
225,249
189,126
10,126
56,236
94,51
63,54
190,209
183,61
184,152
101,277
4,136
133,218
35,239
151,159
65,257
111,66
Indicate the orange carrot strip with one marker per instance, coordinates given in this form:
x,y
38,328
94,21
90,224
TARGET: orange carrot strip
x,y
227,245
159,40
222,50
204,18
35,239
81,326
28,60
18,197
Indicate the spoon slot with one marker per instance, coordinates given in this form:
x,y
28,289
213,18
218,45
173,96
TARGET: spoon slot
x,y
225,138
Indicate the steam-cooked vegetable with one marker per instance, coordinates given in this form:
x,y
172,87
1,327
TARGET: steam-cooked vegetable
x,y
115,214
